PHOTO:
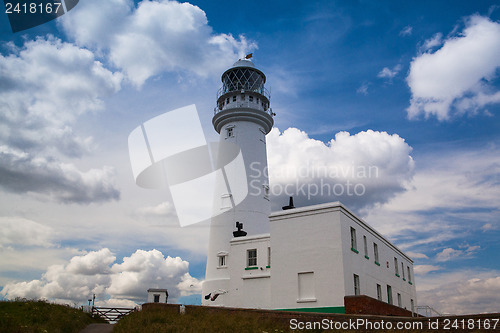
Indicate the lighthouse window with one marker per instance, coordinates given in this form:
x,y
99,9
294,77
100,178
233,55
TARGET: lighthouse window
x,y
234,98
227,100
229,132
251,257
250,98
222,261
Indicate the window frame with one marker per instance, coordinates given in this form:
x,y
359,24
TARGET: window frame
x,y
354,240
357,289
253,258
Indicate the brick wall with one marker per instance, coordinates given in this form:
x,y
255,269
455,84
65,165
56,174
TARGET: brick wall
x,y
366,305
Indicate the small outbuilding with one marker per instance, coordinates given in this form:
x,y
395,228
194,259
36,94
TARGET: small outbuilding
x,y
157,295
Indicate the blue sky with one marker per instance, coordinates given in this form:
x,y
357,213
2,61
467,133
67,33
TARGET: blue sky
x,y
412,88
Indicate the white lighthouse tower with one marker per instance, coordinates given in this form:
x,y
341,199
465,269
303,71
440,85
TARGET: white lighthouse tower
x,y
242,117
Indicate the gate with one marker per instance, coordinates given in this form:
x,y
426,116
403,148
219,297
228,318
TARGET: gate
x,y
112,315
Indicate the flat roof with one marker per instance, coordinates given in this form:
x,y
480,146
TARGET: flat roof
x,y
330,207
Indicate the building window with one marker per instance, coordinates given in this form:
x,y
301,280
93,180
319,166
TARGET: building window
x,y
396,270
389,294
268,256
379,292
403,270
412,305
375,253
222,261
409,276
156,298
251,257
356,285
399,300
353,240
365,244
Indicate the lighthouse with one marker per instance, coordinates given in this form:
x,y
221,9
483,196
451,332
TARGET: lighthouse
x,y
242,118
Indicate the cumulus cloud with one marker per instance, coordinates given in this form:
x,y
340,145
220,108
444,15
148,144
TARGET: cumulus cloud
x,y
153,37
46,86
359,170
26,173
455,79
97,273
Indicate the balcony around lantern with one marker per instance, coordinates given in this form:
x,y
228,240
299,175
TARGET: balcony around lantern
x,y
248,99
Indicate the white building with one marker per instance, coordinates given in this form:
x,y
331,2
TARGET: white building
x,y
305,258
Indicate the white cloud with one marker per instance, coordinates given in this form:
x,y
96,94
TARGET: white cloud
x,y
121,283
164,209
363,89
433,42
453,194
424,269
488,226
406,31
463,292
45,177
47,85
415,255
360,170
156,36
387,73
451,254
20,231
455,78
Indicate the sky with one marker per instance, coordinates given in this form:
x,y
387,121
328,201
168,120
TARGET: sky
x,y
408,89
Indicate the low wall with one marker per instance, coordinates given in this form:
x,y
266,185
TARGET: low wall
x,y
172,308
366,305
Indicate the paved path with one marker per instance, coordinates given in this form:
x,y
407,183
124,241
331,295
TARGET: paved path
x,y
98,328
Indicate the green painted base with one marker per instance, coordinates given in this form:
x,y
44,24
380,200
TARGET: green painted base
x,y
329,309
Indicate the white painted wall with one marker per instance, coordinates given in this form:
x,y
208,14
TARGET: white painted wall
x,y
162,294
370,273
306,240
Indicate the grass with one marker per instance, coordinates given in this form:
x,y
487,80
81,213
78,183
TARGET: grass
x,y
159,321
41,317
